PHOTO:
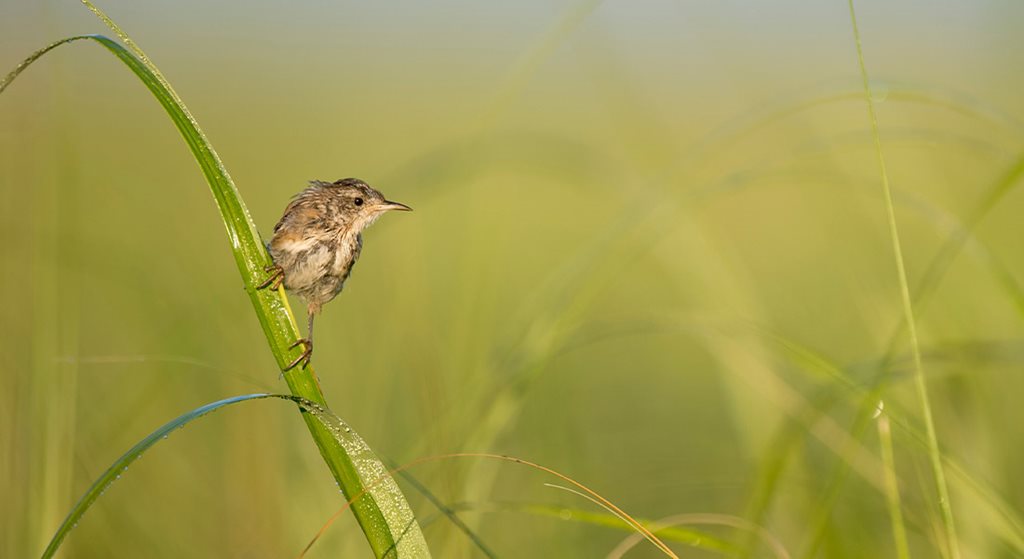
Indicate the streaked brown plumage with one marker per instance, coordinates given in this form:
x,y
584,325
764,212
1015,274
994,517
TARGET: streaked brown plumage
x,y
317,241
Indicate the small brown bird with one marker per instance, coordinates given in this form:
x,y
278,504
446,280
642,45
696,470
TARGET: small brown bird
x,y
318,240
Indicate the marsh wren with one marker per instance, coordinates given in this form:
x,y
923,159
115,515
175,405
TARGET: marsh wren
x,y
318,240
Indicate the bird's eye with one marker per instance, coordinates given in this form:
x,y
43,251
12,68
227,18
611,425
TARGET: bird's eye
x,y
359,201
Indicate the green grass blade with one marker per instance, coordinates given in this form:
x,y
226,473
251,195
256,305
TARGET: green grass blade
x,y
892,486
271,307
35,56
384,490
1001,515
697,539
444,510
121,464
380,485
934,453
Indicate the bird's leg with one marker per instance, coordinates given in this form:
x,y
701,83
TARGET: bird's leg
x,y
307,354
309,325
276,278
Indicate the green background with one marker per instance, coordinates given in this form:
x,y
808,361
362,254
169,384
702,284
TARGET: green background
x,y
628,215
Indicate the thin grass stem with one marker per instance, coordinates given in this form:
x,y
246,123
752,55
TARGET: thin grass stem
x,y
593,495
934,453
892,485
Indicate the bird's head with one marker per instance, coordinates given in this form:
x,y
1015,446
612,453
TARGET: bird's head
x,y
361,201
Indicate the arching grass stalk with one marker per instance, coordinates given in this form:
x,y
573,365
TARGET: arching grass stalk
x,y
120,465
771,542
251,257
934,454
686,535
583,490
383,488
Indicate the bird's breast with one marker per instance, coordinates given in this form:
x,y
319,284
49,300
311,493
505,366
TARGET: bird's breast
x,y
349,247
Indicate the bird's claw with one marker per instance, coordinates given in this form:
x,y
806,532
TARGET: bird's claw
x,y
307,354
276,278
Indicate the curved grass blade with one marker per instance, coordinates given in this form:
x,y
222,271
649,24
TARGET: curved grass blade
x,y
378,483
839,384
121,464
251,257
383,490
1003,518
681,534
959,236
620,515
632,539
771,542
35,56
443,510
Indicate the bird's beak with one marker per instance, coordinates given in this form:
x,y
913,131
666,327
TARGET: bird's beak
x,y
389,205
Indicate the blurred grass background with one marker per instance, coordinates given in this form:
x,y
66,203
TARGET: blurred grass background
x,y
621,209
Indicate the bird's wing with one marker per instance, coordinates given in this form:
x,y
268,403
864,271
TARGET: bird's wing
x,y
303,213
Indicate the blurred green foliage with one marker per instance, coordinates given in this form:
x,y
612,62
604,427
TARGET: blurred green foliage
x,y
648,240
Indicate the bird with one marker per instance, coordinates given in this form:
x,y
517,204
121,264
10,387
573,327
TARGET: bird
x,y
317,242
